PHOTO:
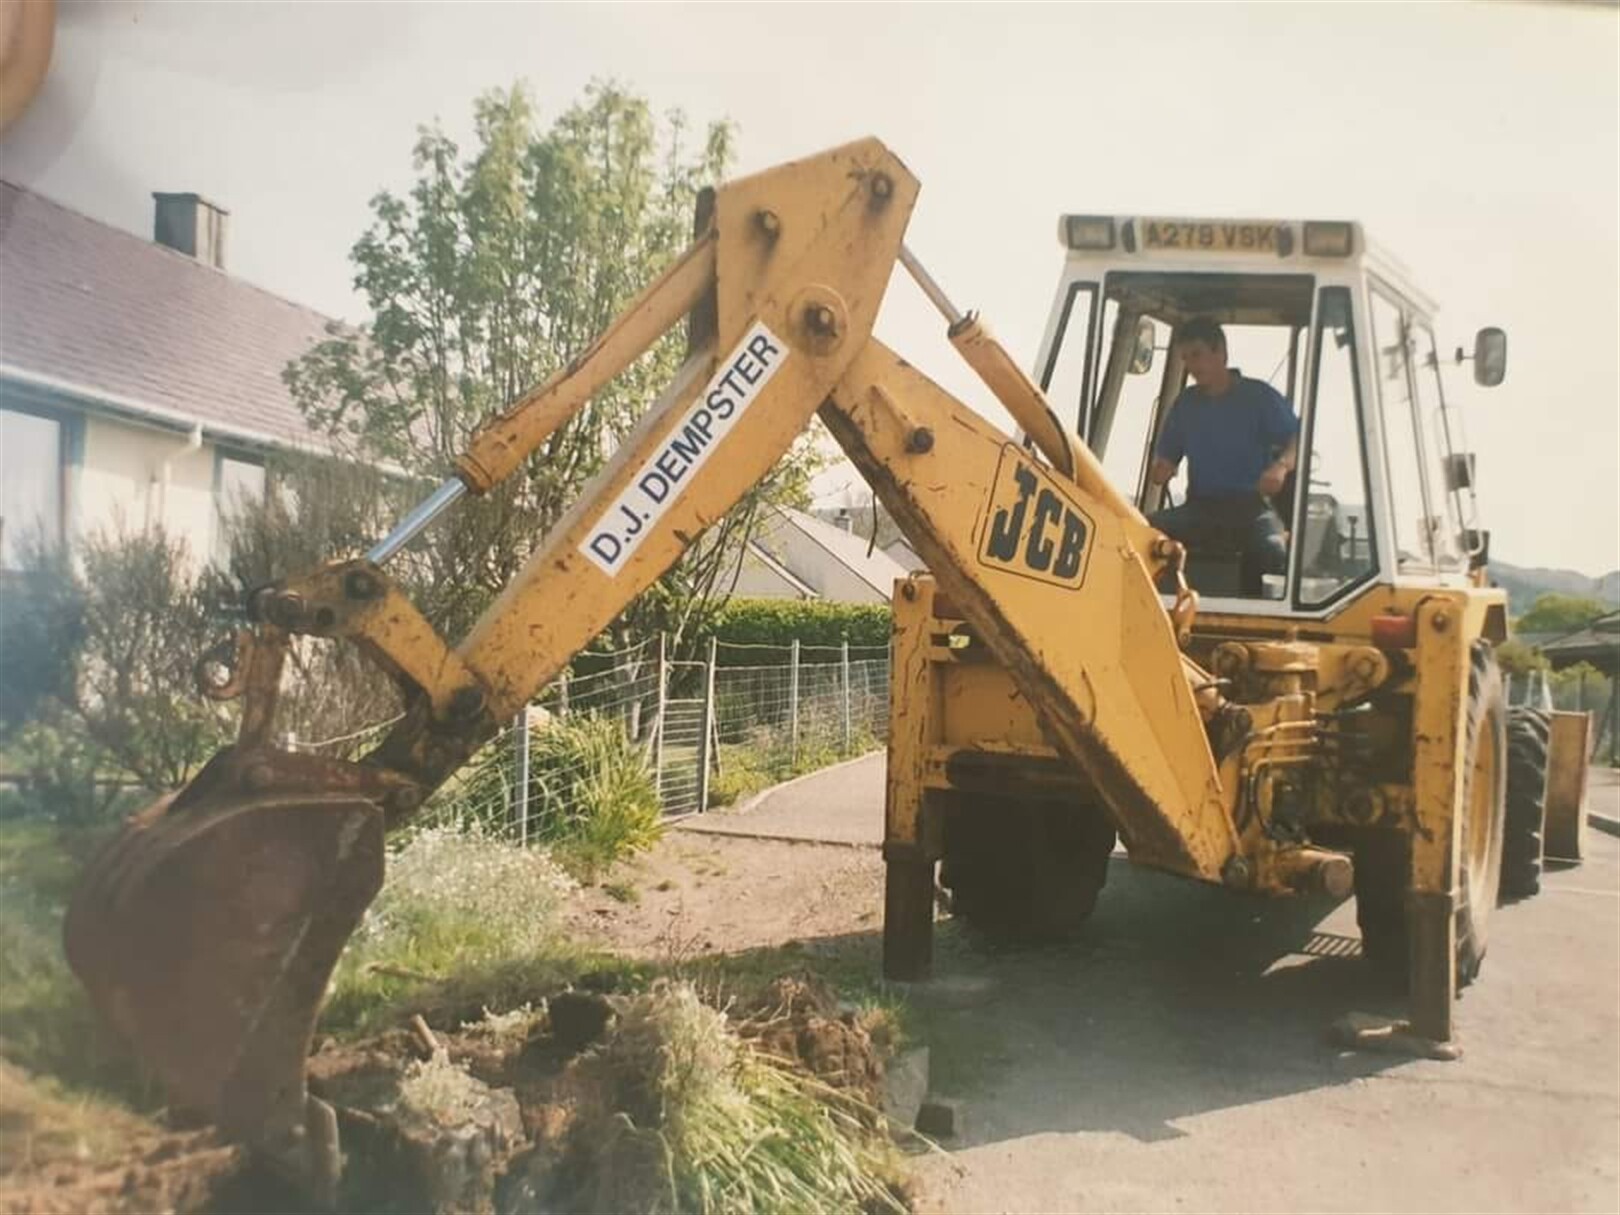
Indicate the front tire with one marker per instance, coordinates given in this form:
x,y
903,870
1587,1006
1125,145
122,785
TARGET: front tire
x,y
1383,858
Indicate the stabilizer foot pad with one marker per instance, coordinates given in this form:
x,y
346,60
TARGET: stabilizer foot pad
x,y
1360,1031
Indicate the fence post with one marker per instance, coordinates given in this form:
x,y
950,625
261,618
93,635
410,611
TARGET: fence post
x,y
658,722
1580,691
793,705
562,696
707,733
521,724
844,657
1612,718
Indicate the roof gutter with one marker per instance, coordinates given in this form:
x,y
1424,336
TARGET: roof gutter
x,y
144,411
131,408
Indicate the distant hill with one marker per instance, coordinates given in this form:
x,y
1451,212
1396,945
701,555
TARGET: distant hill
x,y
1523,585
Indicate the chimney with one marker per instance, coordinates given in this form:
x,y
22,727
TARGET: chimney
x,y
192,225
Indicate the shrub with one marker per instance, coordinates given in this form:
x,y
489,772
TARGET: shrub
x,y
59,773
592,796
41,626
779,622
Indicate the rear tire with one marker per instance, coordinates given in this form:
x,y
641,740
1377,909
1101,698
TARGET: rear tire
x,y
1025,870
1528,737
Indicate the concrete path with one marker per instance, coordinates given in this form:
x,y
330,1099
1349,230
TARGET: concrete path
x,y
838,805
1173,1057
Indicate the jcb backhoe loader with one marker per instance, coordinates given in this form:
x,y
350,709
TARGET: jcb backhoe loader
x,y
1053,683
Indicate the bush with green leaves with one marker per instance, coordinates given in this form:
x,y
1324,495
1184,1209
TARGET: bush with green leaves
x,y
58,772
132,614
810,622
592,795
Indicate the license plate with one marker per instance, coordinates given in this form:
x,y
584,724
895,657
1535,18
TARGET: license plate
x,y
1210,236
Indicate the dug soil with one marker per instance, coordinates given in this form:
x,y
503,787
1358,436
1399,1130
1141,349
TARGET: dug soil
x,y
718,905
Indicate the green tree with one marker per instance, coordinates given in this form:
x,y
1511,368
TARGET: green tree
x,y
492,272
1517,658
1554,613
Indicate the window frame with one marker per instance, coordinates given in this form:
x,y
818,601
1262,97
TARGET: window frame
x,y
1076,288
219,554
1313,372
1407,313
69,453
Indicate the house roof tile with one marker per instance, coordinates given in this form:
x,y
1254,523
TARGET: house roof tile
x,y
104,313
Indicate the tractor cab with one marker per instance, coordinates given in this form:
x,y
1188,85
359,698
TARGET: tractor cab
x,y
1382,490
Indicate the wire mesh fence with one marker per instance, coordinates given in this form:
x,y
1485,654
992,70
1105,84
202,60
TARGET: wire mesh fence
x,y
637,730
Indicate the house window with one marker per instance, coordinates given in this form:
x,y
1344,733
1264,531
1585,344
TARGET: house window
x,y
30,485
238,486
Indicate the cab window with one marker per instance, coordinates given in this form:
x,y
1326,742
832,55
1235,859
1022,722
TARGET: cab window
x,y
1263,317
1412,518
1447,507
1063,374
1334,546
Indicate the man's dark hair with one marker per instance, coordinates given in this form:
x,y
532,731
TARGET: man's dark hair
x,y
1205,329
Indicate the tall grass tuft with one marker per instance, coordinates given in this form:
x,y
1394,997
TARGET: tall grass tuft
x,y
689,1118
592,796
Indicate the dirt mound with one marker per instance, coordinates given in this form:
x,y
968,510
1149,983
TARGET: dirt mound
x,y
585,1100
60,1155
798,1018
582,1102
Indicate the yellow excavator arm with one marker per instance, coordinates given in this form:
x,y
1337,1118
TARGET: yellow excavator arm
x,y
208,932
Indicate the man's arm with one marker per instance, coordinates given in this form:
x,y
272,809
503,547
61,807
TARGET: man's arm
x,y
1271,480
1167,452
1281,427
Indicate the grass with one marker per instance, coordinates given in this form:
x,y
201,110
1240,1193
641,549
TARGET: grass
x,y
592,799
42,1122
47,1026
688,1118
751,767
462,918
622,892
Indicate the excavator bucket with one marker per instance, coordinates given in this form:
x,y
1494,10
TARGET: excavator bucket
x,y
207,931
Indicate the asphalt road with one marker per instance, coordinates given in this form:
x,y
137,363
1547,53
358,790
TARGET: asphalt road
x,y
1174,1057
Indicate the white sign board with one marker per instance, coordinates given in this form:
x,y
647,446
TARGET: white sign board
x,y
670,469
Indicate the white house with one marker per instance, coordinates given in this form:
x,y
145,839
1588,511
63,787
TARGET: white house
x,y
139,383
794,555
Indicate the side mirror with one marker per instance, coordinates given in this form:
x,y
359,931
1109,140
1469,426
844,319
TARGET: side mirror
x,y
1142,355
1490,357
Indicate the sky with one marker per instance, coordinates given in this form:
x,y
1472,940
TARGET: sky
x,y
1477,142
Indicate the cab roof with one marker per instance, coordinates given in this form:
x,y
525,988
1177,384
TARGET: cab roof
x,y
1231,244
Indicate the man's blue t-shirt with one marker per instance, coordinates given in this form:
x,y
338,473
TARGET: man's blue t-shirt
x,y
1228,440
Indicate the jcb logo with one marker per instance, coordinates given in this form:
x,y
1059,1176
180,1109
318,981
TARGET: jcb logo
x,y
1031,527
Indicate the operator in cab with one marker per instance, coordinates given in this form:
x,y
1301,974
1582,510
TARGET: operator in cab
x,y
1240,440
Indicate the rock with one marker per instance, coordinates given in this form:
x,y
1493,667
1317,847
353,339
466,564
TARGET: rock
x,y
905,1086
940,1118
453,1161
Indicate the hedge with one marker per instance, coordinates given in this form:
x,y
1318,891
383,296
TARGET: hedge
x,y
811,622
